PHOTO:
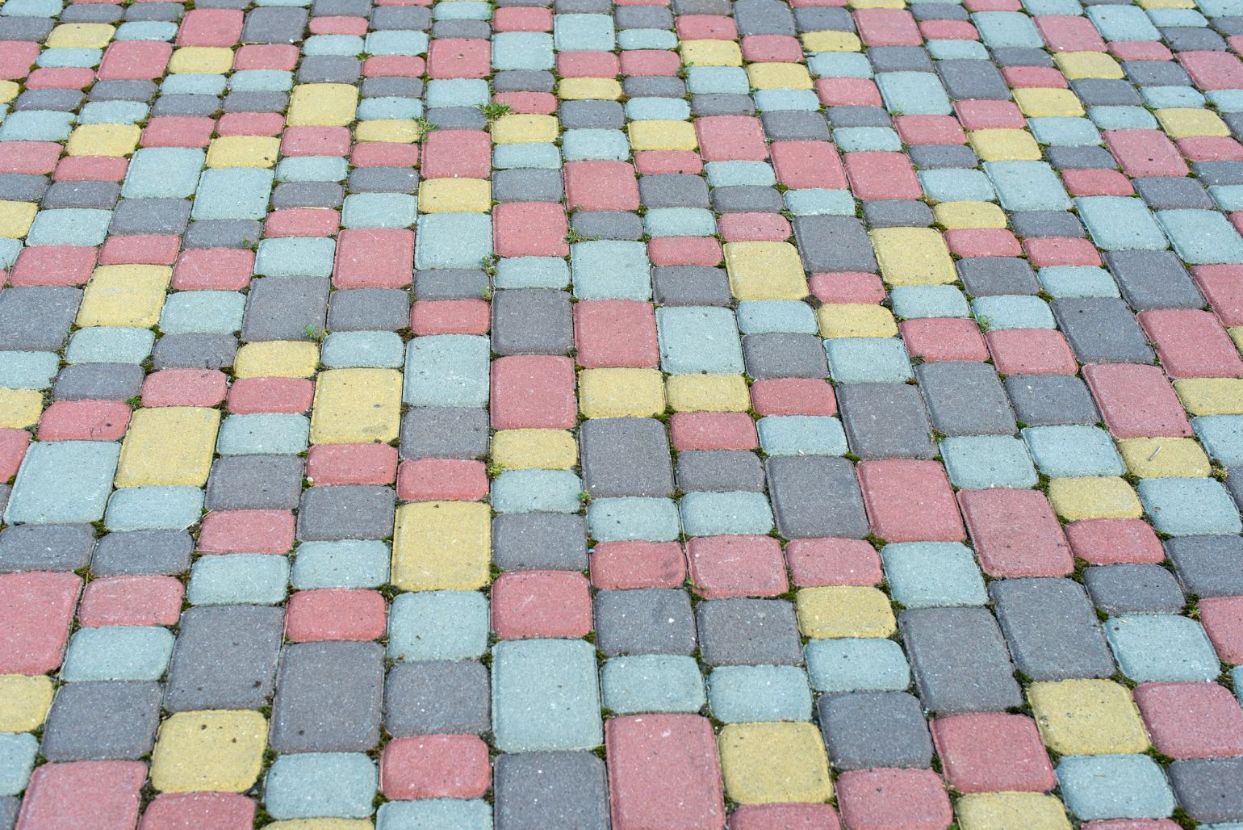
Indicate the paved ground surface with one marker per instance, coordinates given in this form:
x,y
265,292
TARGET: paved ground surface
x,y
791,415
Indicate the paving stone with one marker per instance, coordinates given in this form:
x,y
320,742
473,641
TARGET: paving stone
x,y
444,432
531,321
45,547
225,657
718,471
885,420
345,512
1051,629
254,482
1101,330
814,497
1208,788
539,541
1153,279
37,318
863,730
102,721
625,457
1045,400
649,621
959,660
368,309
439,697
554,790
748,632
1131,589
328,698
965,399
142,552
556,678
1207,566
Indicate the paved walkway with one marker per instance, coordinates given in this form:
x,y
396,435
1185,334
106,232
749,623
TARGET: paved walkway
x,y
795,415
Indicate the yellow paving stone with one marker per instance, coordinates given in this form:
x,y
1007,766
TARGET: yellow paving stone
x,y
830,41
201,60
1004,145
778,76
579,89
442,546
844,611
168,446
103,140
356,406
620,393
524,449
1079,65
956,215
710,53
1164,457
455,196
80,36
209,751
24,701
16,218
708,393
321,824
8,91
1087,717
1190,122
525,129
20,408
1166,4
764,271
1037,102
277,359
1094,497
1011,811
243,151
856,320
1236,334
913,256
774,763
1211,396
876,4
388,131
124,295
662,135
322,105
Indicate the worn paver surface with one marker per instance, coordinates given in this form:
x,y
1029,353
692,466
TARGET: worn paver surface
x,y
632,414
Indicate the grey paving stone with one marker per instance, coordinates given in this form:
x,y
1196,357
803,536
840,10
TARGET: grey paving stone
x,y
1155,73
383,180
395,17
456,118
531,321
37,318
169,12
450,284
346,512
1154,279
673,190
527,185
24,28
307,194
625,457
1021,56
897,213
968,79
1098,92
472,29
388,87
644,621
1219,172
824,18
690,285
815,497
1209,789
935,156
938,11
653,86
1101,330
191,106
985,276
539,541
254,482
746,199
1080,158
328,698
45,547
642,17
721,104
607,224
1038,223
791,125
701,6
151,216
274,25
85,194
763,17
1208,566
224,233
885,420
1192,39
591,115
1234,483
965,399
142,552
21,187
444,432
1172,193
1133,589
833,243
959,660
784,355
858,117
1047,400
256,101
369,309
194,351
123,90
55,100
899,59
102,721
740,632
9,805
1051,628
6,490
224,658
720,471
98,381
550,790
865,730
282,308
436,698
518,80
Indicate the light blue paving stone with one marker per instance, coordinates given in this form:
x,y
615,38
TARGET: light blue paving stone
x,y
1158,97
114,112
312,169
1228,197
766,316
154,508
457,92
1173,18
438,625
912,302
1013,312
739,694
679,221
1007,29
1202,237
69,226
725,514
9,249
781,100
545,696
522,50
28,370
1161,648
956,50
69,58
340,45
32,8
402,42
202,311
264,80
1065,132
447,370
583,32
717,80
379,210
1027,185
956,185
263,433
452,240
1114,786
511,156
36,125
297,256
63,482
1073,450
132,652
1236,675
629,519
193,84
391,108
1189,506
856,665
105,344
647,39
913,93
595,145
1221,8
862,139
1226,100
978,462
163,173
933,574
1122,23
238,579
868,360
608,270
695,339
531,491
362,349
1051,7
17,760
351,563
1122,118
839,65
657,109
435,814
740,173
801,435
463,11
652,683
816,201
1222,437
532,272
1066,281
317,784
